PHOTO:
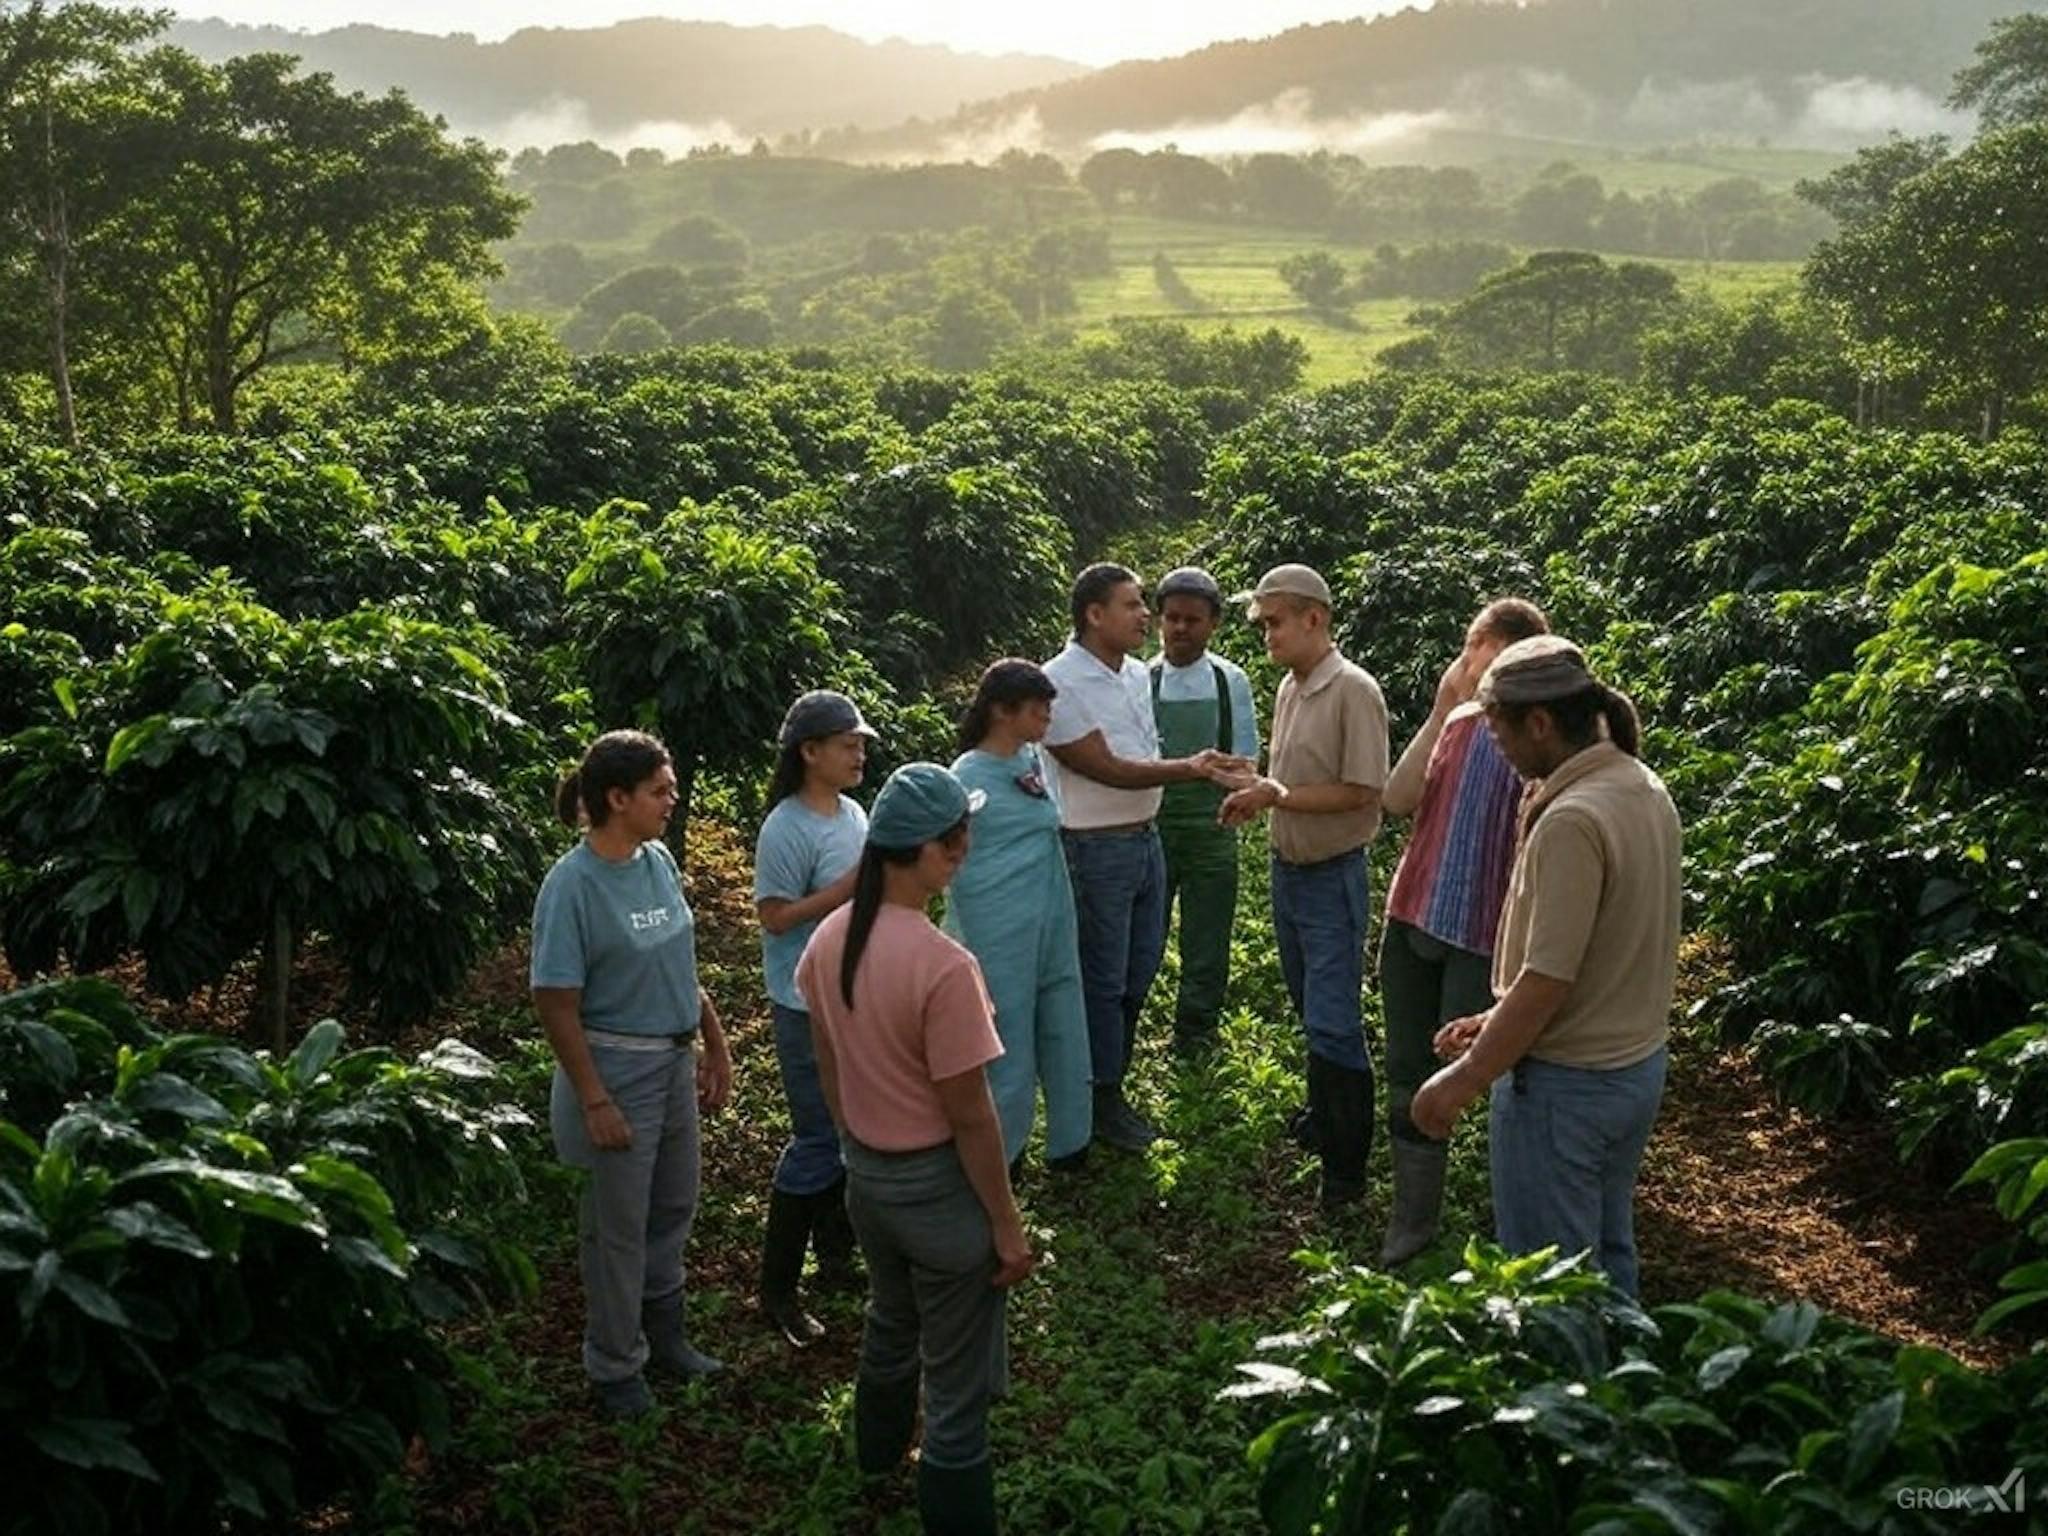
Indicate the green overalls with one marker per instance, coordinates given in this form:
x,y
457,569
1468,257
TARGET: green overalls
x,y
1201,857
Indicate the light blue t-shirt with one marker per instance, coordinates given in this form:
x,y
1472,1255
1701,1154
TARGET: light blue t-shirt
x,y
798,853
1196,683
623,934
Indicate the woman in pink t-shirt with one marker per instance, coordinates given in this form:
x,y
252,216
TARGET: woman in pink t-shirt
x,y
904,1031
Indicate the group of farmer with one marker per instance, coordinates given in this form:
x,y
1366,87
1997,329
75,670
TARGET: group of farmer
x,y
1528,950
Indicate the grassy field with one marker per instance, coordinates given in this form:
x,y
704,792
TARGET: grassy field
x,y
1234,275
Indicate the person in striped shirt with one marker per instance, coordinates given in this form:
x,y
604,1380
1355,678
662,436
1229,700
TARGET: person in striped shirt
x,y
1437,945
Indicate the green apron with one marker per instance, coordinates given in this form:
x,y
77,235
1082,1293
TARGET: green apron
x,y
1201,857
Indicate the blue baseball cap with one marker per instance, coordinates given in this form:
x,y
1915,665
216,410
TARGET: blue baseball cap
x,y
919,802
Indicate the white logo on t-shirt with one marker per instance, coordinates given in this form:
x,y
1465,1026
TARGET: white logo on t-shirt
x,y
653,917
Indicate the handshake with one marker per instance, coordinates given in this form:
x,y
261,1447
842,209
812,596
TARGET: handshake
x,y
1249,792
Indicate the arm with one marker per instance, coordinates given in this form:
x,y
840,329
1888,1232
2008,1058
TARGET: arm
x,y
965,1100
1498,1039
714,1066
1090,757
778,915
561,1016
1457,686
1307,800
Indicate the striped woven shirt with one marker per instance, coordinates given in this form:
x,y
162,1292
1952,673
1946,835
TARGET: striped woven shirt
x,y
1453,874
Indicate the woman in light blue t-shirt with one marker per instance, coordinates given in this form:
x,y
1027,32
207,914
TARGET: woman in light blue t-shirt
x,y
614,980
804,864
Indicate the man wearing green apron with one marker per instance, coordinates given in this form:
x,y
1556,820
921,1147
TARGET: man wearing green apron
x,y
1199,701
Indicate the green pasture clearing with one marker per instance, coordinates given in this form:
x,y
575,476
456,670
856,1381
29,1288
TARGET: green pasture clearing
x,y
1233,274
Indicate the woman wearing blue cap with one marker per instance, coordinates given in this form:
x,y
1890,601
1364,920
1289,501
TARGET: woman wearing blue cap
x,y
803,868
904,1033
1013,905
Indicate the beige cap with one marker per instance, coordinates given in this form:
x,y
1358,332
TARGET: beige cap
x,y
1535,671
1287,581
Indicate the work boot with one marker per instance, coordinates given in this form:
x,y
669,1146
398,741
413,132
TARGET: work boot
x,y
1341,1100
884,1414
957,1501
622,1400
1418,1198
1194,1037
1119,1125
833,1240
782,1267
668,1348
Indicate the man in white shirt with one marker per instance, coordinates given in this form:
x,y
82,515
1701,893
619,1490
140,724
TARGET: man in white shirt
x,y
1199,700
1105,748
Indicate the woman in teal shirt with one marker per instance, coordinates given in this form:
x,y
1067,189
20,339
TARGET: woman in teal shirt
x,y
1012,904
614,980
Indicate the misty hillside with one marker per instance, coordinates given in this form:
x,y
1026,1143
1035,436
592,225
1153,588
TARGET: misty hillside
x,y
1828,73
542,85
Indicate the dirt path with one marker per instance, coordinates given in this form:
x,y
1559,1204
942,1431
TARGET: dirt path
x,y
1743,1192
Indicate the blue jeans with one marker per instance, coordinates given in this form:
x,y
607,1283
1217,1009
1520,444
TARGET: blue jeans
x,y
810,1163
1320,915
1565,1147
1120,904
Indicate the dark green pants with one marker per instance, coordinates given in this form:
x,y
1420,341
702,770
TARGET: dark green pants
x,y
1201,876
1424,983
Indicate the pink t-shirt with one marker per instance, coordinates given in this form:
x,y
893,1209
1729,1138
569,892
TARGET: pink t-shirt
x,y
920,1013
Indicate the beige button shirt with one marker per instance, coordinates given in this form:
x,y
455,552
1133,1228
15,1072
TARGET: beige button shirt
x,y
1330,728
1594,900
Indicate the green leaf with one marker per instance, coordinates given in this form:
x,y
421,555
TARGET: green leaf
x,y
314,1052
143,1222
262,1195
67,697
91,1444
167,1093
92,1298
1871,1433
1720,1367
131,739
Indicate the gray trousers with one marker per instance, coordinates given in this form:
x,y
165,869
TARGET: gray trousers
x,y
931,1309
638,1203
1565,1144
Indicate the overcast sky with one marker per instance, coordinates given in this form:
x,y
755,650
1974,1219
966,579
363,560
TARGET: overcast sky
x,y
1086,30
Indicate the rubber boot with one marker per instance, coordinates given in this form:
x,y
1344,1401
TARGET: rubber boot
x,y
1418,1199
618,1401
668,1349
782,1268
884,1414
1342,1105
957,1501
833,1241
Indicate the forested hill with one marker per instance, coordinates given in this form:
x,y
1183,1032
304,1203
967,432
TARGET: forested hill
x,y
1832,72
751,80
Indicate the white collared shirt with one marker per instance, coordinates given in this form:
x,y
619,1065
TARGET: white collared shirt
x,y
1118,703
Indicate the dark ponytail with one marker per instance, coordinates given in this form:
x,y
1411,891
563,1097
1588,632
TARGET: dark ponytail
x,y
866,905
616,760
788,777
1578,716
1008,682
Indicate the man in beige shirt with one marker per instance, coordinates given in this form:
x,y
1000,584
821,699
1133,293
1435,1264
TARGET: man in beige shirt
x,y
1326,769
1588,949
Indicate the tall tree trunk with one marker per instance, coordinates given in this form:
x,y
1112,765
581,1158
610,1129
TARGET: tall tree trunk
x,y
57,273
278,979
1994,415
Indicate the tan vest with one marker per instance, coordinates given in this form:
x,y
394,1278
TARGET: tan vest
x,y
1595,900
